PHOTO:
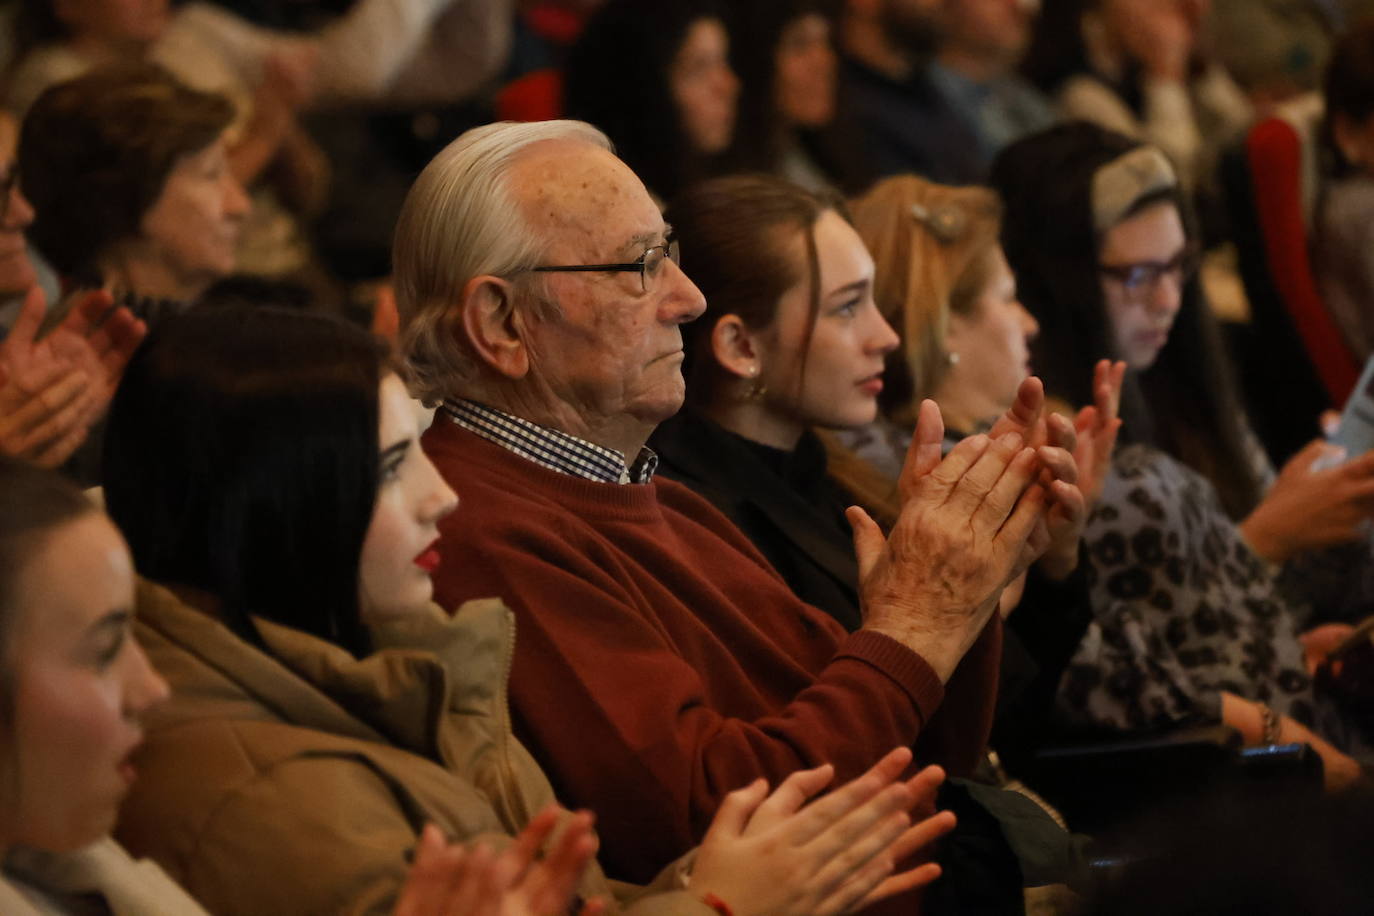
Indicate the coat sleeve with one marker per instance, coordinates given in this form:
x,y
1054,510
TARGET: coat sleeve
x,y
313,835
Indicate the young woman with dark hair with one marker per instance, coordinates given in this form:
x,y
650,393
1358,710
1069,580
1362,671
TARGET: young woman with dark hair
x,y
1141,67
1345,213
784,53
1186,542
267,466
656,77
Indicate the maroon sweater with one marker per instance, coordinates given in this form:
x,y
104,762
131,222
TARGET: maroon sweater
x,y
660,661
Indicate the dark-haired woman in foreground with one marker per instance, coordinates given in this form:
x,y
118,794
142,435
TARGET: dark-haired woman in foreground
x,y
76,687
326,708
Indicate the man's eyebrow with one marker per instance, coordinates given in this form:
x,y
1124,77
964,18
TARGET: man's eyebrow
x,y
636,245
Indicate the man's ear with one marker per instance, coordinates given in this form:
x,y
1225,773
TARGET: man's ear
x,y
735,347
494,327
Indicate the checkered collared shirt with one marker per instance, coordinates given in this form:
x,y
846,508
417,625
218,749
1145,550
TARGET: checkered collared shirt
x,y
549,447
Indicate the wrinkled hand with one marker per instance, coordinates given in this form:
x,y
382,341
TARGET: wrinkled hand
x,y
767,854
55,387
1306,509
475,881
962,533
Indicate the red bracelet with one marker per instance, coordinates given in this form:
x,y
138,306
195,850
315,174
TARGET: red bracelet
x,y
720,906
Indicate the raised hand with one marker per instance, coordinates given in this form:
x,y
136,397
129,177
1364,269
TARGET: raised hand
x,y
1097,427
1068,512
775,854
1307,509
962,535
55,387
40,415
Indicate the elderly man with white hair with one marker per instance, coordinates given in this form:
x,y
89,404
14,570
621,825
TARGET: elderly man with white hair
x,y
660,661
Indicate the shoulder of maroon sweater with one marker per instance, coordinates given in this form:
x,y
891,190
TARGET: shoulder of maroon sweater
x,y
520,526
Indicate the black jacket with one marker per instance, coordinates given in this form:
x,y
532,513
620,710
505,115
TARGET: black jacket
x,y
783,501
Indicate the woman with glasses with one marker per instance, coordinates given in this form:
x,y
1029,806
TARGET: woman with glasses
x,y
1188,541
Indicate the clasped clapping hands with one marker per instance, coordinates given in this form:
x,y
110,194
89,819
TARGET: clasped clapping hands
x,y
54,387
973,521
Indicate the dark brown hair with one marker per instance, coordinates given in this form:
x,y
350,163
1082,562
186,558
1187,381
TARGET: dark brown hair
x,y
1349,85
95,153
736,235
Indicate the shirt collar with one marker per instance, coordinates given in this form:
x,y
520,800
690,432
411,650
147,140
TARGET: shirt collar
x,y
550,448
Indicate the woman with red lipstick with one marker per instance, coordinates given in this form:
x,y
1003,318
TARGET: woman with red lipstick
x,y
1186,547
267,466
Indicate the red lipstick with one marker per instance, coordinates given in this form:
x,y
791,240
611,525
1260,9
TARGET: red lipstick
x,y
428,560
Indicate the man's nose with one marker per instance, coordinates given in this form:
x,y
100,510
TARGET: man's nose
x,y
682,301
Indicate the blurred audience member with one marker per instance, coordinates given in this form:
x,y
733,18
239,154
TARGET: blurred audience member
x,y
1274,49
380,51
1142,68
129,173
785,56
75,688
1192,622
905,123
17,269
300,633
655,76
1343,237
981,44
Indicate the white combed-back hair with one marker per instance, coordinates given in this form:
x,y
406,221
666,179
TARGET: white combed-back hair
x,y
461,220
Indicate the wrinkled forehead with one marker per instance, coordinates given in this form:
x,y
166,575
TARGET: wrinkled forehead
x,y
582,199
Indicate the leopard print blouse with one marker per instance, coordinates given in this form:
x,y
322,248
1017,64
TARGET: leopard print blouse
x,y
1183,608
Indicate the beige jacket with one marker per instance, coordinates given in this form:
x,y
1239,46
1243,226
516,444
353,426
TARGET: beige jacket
x,y
41,884
298,782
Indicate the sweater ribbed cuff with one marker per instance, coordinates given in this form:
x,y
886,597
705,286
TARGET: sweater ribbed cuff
x,y
907,669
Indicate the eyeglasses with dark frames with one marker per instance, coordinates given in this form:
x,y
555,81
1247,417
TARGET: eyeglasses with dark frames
x,y
648,265
1138,279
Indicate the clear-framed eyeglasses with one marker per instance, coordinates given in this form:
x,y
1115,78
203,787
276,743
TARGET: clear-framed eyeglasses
x,y
1138,280
649,265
